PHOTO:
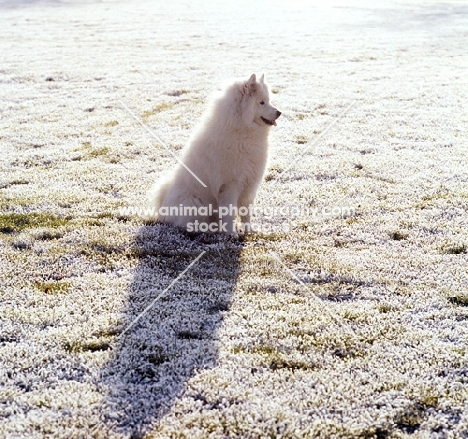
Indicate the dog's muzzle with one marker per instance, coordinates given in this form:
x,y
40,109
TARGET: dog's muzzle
x,y
273,121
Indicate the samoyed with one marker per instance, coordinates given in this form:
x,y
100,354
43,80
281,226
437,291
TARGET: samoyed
x,y
217,178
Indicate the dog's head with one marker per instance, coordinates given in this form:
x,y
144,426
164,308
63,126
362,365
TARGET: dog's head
x,y
256,103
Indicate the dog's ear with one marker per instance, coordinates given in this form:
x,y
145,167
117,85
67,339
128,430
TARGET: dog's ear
x,y
251,85
262,79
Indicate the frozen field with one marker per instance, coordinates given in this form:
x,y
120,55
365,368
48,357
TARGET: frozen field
x,y
345,316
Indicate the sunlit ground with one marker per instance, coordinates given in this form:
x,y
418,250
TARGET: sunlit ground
x,y
324,326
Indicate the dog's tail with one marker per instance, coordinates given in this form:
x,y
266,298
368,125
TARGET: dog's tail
x,y
156,196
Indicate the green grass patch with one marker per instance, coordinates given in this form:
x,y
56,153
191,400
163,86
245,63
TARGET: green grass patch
x,y
16,182
275,167
48,235
258,236
274,359
284,363
163,106
410,419
301,140
264,349
277,360
384,308
443,196
105,215
16,222
273,172
75,347
97,152
456,249
92,152
429,401
53,287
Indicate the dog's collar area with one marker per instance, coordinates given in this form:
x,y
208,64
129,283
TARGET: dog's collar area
x,y
268,122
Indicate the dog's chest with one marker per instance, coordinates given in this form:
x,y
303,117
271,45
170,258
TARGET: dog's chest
x,y
244,161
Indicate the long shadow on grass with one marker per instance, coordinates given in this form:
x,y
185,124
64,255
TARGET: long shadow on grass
x,y
177,336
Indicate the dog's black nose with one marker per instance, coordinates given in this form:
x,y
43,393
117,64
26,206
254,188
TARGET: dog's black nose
x,y
278,114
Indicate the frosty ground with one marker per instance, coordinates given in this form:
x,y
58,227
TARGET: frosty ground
x,y
327,325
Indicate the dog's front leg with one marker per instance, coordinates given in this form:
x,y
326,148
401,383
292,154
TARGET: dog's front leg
x,y
227,209
245,211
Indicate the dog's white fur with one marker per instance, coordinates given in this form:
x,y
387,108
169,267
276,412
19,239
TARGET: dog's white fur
x,y
228,153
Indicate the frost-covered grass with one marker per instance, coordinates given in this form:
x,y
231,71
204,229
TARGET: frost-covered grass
x,y
326,326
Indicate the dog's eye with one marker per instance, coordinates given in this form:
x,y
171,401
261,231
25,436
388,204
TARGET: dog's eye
x,y
262,102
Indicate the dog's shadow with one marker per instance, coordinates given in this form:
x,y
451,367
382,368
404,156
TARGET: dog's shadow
x,y
176,336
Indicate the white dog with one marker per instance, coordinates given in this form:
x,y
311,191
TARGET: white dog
x,y
228,155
